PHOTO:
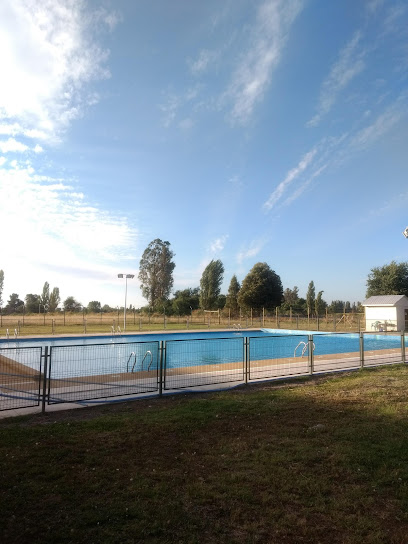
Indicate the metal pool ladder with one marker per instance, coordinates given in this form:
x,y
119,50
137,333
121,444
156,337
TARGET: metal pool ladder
x,y
304,349
133,354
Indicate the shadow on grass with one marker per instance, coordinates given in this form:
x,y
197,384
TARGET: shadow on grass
x,y
319,461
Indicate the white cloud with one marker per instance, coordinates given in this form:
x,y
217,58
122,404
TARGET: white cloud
x,y
349,64
218,244
205,59
12,145
56,223
268,38
48,55
249,252
277,194
384,122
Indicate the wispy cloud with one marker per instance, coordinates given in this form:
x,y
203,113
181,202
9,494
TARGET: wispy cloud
x,y
250,251
376,130
53,212
45,74
217,245
348,65
205,60
254,71
294,173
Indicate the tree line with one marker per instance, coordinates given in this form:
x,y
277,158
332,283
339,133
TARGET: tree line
x,y
261,288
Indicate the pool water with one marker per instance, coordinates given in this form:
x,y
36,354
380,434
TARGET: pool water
x,y
84,356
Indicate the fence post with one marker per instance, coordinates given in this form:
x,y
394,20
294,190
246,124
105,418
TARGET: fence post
x,y
246,357
311,369
44,391
403,346
361,350
162,347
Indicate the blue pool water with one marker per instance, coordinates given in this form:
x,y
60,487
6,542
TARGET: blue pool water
x,y
105,354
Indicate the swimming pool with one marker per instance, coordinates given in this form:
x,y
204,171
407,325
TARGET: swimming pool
x,y
96,355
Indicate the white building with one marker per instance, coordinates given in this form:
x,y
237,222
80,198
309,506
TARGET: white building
x,y
386,313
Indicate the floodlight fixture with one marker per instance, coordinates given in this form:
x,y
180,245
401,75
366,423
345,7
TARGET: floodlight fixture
x,y
405,232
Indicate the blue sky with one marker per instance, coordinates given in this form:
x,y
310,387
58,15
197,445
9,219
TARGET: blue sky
x,y
242,130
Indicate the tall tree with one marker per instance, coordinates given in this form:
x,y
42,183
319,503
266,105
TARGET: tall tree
x,y
232,295
320,304
45,296
54,299
1,287
210,284
156,271
261,288
390,279
310,297
32,303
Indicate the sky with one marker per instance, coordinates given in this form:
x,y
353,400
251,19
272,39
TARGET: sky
x,y
244,130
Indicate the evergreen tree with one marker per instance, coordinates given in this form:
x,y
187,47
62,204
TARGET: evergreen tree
x,y
310,297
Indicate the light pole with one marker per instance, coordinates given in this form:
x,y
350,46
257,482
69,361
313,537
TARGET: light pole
x,y
126,276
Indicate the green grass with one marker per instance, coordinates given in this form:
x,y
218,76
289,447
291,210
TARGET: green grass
x,y
324,460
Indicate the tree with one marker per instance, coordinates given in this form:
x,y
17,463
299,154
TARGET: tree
x,y
320,304
210,284
72,305
290,299
336,306
261,288
54,300
156,272
94,307
32,303
185,301
390,279
45,297
1,287
232,295
310,297
14,304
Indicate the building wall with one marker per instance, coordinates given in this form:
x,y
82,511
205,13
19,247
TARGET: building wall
x,y
381,314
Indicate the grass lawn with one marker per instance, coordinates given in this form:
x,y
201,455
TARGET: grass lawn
x,y
323,460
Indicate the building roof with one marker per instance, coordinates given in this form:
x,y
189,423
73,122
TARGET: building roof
x,y
385,300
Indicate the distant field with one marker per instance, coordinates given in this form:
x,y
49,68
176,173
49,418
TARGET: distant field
x,y
83,323
323,460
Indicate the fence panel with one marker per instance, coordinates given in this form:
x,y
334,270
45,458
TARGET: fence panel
x,y
190,363
94,371
20,377
382,349
277,356
333,352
